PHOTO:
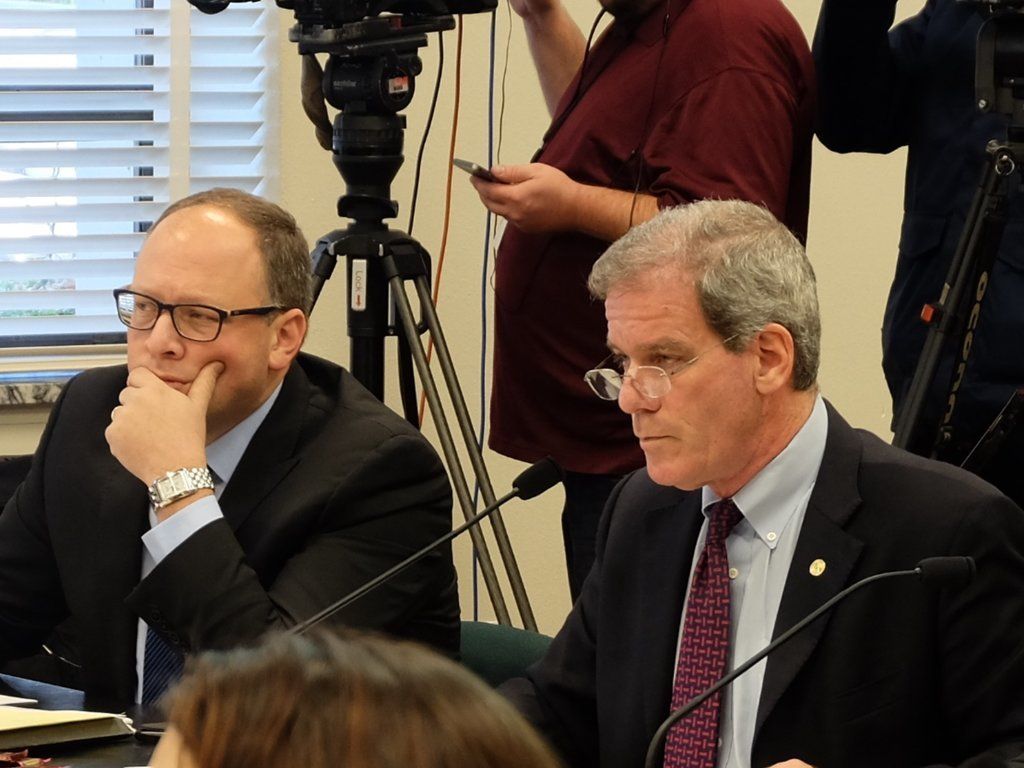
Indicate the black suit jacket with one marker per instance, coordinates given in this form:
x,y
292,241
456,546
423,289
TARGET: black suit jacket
x,y
897,675
333,489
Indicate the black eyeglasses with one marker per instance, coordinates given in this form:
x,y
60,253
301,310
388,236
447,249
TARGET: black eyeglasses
x,y
195,322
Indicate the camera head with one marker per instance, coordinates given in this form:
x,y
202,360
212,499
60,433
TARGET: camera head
x,y
314,16
336,12
999,62
370,76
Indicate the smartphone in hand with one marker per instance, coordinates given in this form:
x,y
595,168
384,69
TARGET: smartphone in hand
x,y
476,170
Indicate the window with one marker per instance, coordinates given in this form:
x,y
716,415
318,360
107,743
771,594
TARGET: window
x,y
109,110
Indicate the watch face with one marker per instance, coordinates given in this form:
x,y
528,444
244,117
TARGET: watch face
x,y
178,484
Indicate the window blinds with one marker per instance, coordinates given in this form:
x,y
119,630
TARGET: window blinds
x,y
109,110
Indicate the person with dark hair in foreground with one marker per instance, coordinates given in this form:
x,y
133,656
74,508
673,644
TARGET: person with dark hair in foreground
x,y
276,482
323,701
757,505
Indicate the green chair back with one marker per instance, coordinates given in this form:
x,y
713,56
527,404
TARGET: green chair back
x,y
498,653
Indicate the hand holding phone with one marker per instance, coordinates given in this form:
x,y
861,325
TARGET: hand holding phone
x,y
475,170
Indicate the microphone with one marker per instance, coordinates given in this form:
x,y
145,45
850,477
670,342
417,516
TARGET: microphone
x,y
954,572
532,481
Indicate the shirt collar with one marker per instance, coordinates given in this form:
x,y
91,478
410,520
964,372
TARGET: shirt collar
x,y
769,500
224,453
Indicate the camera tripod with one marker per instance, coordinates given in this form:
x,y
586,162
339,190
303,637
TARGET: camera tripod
x,y
370,76
953,319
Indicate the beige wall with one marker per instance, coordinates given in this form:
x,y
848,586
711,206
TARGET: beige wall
x,y
855,213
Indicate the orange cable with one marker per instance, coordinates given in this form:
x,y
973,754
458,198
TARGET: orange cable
x,y
447,200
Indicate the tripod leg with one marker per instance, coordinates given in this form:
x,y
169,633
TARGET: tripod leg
x,y
407,381
448,446
367,363
1005,423
367,322
974,256
476,458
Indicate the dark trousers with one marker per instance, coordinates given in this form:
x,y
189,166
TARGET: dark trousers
x,y
585,497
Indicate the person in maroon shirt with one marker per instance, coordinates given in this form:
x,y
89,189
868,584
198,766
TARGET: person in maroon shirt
x,y
678,100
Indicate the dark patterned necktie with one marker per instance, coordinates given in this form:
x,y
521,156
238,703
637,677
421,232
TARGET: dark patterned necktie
x,y
161,666
704,648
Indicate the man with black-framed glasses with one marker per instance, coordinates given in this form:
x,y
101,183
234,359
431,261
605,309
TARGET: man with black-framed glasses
x,y
758,503
224,483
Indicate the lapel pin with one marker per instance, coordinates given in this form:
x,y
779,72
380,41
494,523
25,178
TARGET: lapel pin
x,y
817,567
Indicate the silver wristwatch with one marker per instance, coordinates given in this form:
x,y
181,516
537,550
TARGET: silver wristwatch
x,y
179,484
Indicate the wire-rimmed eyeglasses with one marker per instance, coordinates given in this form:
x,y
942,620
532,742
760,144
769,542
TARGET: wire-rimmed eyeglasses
x,y
195,322
650,381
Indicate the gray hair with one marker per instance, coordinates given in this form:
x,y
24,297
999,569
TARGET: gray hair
x,y
747,268
284,249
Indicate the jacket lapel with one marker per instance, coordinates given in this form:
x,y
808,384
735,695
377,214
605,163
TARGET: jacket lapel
x,y
271,452
121,518
672,533
833,501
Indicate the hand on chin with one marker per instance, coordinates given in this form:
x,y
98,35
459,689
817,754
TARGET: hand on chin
x,y
160,424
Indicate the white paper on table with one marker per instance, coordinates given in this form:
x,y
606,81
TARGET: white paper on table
x,y
15,701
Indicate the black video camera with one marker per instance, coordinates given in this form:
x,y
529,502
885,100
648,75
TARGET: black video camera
x,y
336,12
330,14
999,62
370,75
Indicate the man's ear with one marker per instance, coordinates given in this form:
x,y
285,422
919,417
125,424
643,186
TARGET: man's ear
x,y
776,356
288,332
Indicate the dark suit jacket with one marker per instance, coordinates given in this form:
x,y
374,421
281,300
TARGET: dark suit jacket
x,y
333,489
897,675
913,86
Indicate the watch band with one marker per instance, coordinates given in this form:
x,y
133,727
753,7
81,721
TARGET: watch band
x,y
179,484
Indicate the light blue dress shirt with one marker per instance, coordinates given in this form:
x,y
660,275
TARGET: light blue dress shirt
x,y
222,457
760,550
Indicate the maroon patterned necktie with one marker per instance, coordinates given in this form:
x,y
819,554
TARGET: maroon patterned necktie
x,y
704,648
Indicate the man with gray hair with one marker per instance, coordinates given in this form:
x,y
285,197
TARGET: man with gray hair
x,y
758,503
